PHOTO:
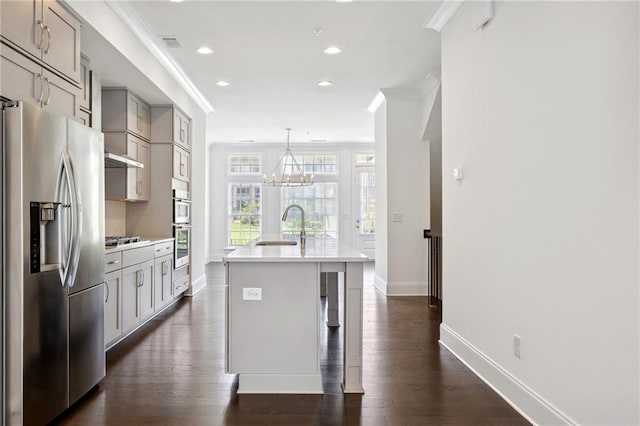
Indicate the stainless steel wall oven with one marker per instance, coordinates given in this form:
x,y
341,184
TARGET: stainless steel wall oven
x,y
181,207
181,228
182,245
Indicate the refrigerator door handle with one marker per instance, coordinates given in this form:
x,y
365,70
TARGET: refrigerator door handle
x,y
76,221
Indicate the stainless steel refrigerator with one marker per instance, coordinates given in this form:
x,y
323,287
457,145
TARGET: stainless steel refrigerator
x,y
53,263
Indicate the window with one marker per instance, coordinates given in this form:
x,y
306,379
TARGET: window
x,y
363,158
320,203
245,164
317,164
245,212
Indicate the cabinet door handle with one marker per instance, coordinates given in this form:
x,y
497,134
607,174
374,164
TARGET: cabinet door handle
x,y
108,292
182,173
48,91
139,123
41,25
113,262
41,88
182,135
46,27
142,284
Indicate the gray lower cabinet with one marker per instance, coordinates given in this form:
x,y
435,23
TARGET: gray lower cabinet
x,y
137,294
112,306
139,284
162,283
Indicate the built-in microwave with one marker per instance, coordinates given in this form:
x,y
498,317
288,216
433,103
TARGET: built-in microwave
x,y
182,245
181,207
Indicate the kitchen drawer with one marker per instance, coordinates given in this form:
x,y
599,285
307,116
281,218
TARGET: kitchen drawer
x,y
112,261
181,285
163,249
137,255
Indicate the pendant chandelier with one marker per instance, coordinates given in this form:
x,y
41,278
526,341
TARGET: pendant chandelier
x,y
288,171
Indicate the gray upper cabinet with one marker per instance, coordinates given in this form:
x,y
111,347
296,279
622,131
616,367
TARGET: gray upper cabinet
x,y
124,111
62,37
170,125
21,25
138,117
85,84
130,184
43,30
24,79
182,130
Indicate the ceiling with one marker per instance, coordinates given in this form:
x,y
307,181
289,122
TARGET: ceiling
x,y
271,53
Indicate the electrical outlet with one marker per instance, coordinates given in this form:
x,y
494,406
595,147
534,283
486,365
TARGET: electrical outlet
x,y
517,346
251,293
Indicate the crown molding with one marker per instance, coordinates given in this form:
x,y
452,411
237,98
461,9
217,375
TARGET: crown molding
x,y
141,29
376,102
442,14
429,83
402,93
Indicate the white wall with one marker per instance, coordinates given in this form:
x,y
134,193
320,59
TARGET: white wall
x,y
271,153
102,18
403,158
541,239
380,134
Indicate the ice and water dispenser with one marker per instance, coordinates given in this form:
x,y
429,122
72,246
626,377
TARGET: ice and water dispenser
x,y
45,233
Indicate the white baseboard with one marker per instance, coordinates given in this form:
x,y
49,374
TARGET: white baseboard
x,y
523,399
197,285
400,288
380,284
406,289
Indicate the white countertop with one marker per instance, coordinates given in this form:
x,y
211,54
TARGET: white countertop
x,y
145,242
317,250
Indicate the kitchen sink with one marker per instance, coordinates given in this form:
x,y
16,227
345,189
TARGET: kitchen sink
x,y
276,243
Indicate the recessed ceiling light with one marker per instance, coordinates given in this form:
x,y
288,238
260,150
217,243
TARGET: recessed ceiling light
x,y
344,1
325,83
175,1
332,50
204,50
222,83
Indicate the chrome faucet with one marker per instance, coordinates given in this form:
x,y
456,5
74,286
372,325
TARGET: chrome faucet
x,y
303,234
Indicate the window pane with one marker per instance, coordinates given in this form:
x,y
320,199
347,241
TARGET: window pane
x,y
245,164
317,164
366,158
245,213
367,184
320,205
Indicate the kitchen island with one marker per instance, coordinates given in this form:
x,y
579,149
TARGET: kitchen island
x,y
273,315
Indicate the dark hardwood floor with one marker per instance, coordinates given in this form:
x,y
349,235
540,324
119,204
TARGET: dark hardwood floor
x,y
171,372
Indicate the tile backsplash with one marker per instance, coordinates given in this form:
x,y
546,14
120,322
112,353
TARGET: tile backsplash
x,y
115,218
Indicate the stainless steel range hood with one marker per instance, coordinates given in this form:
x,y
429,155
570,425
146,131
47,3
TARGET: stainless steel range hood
x,y
117,161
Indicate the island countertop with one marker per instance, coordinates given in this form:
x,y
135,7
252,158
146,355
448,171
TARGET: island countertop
x,y
317,250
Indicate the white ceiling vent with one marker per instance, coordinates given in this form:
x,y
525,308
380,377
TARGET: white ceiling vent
x,y
171,41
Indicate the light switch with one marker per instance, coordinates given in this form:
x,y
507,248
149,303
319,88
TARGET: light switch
x,y
396,217
251,293
458,173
